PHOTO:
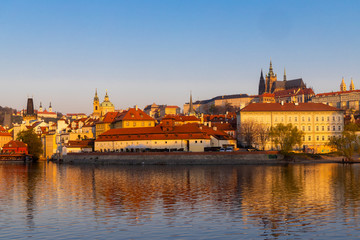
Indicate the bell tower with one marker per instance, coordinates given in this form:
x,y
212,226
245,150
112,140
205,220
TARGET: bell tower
x,y
270,79
96,105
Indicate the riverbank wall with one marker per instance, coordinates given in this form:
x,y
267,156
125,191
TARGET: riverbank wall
x,y
176,158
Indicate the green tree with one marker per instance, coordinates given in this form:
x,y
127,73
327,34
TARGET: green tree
x,y
347,143
286,137
33,141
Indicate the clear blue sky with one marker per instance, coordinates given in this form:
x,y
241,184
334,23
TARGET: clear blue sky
x,y
157,51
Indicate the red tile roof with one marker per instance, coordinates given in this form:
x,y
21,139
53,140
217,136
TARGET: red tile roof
x,y
80,144
15,144
334,93
277,107
4,133
109,117
186,131
134,115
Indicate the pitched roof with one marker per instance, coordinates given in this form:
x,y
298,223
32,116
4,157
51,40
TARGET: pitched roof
x,y
109,117
15,144
4,133
335,93
278,107
294,92
134,114
186,131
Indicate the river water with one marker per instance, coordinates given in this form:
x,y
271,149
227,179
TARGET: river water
x,y
50,201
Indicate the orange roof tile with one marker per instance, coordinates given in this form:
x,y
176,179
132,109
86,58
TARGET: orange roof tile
x,y
277,107
14,143
4,133
134,115
335,93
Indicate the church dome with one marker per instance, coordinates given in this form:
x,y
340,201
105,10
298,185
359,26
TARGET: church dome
x,y
106,104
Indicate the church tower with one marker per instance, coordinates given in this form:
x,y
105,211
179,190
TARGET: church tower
x,y
40,108
261,83
352,87
342,86
191,108
96,105
270,79
50,107
284,74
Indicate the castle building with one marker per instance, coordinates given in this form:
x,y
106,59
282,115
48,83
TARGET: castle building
x,y
99,110
270,84
43,113
344,99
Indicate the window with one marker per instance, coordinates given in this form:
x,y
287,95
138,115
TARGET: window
x,y
309,138
155,142
304,138
339,119
149,124
134,124
339,128
195,141
303,128
276,119
333,128
317,128
328,137
295,119
328,128
309,128
317,138
303,119
142,124
322,138
317,119
322,119
165,142
289,119
309,119
328,119
201,141
127,123
282,119
334,119
322,128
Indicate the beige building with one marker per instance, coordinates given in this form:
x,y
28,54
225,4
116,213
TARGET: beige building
x,y
344,99
318,121
203,106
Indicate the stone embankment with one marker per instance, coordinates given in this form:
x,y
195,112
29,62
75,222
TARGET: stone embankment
x,y
186,158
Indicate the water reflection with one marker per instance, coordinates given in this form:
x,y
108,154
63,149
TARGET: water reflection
x,y
233,201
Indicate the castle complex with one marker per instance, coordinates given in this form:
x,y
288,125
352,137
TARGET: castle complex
x,y
270,84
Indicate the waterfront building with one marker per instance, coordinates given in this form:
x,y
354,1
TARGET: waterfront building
x,y
5,136
318,121
72,116
15,147
79,146
345,99
167,135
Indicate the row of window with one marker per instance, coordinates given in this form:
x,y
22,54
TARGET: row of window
x,y
317,138
317,128
132,143
317,119
134,124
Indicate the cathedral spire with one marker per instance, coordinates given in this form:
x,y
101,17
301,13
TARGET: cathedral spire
x,y
261,83
352,87
271,72
284,74
343,85
106,99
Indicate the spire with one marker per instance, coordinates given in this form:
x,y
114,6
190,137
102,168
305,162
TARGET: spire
x,y
261,83
352,87
50,108
191,109
96,98
271,72
106,99
284,74
343,85
50,105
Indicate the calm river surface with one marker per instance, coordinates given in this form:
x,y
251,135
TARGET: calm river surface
x,y
50,201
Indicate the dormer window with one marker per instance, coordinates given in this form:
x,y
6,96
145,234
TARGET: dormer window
x,y
132,115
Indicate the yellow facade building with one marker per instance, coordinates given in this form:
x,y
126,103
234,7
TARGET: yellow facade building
x,y
318,121
133,118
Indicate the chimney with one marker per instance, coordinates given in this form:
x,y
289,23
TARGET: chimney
x,y
136,107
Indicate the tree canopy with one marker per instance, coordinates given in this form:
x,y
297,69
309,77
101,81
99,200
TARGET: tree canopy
x,y
286,137
33,141
347,143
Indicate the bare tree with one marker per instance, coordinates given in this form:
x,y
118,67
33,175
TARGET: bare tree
x,y
249,132
263,135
